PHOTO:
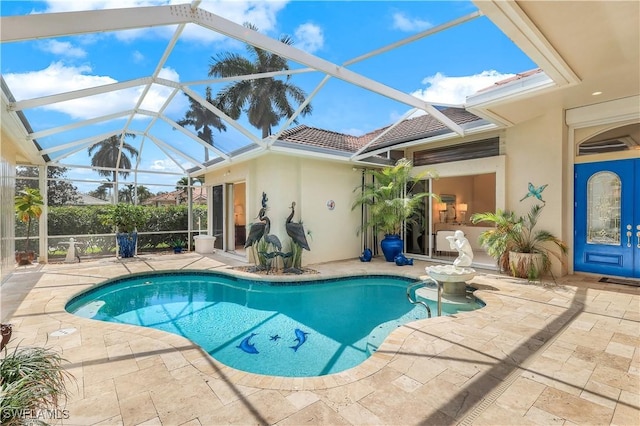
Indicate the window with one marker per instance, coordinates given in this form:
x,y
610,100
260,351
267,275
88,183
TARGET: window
x,y
466,151
603,208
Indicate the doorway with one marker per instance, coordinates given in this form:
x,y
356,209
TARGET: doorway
x,y
217,216
459,198
607,218
239,225
228,217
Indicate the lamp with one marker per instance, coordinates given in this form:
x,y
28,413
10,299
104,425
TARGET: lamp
x,y
442,208
238,210
462,208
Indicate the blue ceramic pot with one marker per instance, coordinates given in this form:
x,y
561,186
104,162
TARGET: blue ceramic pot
x,y
127,243
392,246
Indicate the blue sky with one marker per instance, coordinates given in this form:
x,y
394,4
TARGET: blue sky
x,y
444,67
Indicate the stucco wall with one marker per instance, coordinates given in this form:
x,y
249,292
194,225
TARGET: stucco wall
x,y
310,183
7,216
536,152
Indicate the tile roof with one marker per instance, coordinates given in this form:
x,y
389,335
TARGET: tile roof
x,y
408,130
313,136
198,194
516,77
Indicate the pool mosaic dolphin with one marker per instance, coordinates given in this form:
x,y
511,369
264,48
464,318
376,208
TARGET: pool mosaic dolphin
x,y
301,337
248,347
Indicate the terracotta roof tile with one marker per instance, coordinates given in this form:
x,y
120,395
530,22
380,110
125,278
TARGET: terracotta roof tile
x,y
312,136
410,129
516,77
198,194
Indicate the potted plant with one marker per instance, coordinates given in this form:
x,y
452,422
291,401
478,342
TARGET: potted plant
x,y
34,382
28,205
391,203
126,218
518,246
178,244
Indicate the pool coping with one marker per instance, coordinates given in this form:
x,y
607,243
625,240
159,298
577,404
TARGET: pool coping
x,y
536,353
377,361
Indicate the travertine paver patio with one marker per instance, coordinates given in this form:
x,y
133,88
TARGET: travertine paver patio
x,y
564,353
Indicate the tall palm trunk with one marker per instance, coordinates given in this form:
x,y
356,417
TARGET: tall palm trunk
x,y
26,246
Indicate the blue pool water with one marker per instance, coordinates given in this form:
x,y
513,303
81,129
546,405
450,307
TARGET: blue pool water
x,y
283,329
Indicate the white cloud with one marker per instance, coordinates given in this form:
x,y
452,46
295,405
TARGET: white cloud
x,y
258,12
403,22
62,48
59,78
309,37
352,131
138,57
166,165
56,78
454,90
54,6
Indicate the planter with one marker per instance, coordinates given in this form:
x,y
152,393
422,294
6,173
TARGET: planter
x,y
177,250
204,244
525,265
25,257
392,246
127,243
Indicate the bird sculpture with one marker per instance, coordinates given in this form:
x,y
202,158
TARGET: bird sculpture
x,y
256,231
534,192
271,239
296,230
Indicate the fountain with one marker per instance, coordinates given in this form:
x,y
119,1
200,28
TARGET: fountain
x,y
453,277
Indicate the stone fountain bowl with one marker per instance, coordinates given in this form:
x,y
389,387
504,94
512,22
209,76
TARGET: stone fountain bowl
x,y
450,273
452,278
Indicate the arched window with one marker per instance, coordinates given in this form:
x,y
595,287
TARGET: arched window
x,y
603,208
623,138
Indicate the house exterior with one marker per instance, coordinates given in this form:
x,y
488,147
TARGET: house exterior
x,y
572,125
545,125
174,198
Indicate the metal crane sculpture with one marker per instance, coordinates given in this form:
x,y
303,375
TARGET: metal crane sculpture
x,y
259,231
296,230
271,239
256,231
298,242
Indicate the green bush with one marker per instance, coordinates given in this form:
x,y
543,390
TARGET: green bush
x,y
83,222
31,378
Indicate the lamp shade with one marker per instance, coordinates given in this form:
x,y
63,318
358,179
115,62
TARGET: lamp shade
x,y
441,206
462,207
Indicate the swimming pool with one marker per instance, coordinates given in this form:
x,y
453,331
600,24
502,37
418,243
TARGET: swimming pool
x,y
294,329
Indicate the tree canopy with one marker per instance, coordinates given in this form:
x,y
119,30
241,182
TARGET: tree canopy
x,y
265,100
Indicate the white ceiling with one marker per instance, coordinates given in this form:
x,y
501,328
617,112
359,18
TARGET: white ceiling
x,y
584,46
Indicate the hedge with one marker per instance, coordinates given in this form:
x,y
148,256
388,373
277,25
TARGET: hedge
x,y
83,223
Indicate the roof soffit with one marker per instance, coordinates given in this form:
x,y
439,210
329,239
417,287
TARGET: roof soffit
x,y
599,41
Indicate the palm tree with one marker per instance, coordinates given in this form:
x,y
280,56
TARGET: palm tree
x,y
184,183
106,155
28,205
265,100
203,120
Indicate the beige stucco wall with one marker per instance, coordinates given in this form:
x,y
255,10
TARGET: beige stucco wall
x,y
536,153
310,183
7,221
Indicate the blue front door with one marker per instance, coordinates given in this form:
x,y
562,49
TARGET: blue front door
x,y
607,218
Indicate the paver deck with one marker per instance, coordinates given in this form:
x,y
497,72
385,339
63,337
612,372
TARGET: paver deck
x,y
538,353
